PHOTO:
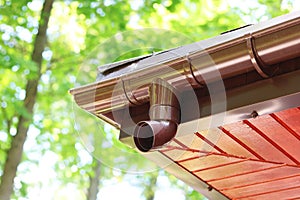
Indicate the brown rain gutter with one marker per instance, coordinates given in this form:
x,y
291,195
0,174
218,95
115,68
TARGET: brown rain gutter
x,y
255,48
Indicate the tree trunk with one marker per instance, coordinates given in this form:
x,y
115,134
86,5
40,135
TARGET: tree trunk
x,y
15,152
94,181
150,187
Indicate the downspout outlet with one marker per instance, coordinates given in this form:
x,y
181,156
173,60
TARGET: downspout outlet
x,y
164,116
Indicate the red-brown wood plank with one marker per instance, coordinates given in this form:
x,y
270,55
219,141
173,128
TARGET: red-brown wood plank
x,y
289,193
177,154
267,187
187,146
209,142
208,162
232,170
242,144
290,119
194,142
229,145
253,178
279,135
256,142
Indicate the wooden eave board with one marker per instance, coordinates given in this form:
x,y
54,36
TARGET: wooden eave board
x,y
252,159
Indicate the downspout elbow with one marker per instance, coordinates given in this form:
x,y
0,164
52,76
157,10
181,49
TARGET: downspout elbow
x,y
164,118
153,134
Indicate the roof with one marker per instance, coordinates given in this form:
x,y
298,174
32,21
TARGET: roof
x,y
239,130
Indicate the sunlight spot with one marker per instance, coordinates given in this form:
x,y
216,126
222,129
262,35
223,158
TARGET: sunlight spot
x,y
24,8
47,54
31,140
45,78
26,71
3,104
169,193
119,37
100,12
109,2
74,168
67,26
17,183
13,131
134,21
12,85
3,136
136,4
40,88
78,146
116,172
20,93
64,131
125,191
15,68
72,79
248,7
70,191
85,157
95,4
296,5
32,22
7,29
61,166
106,144
35,5
5,37
24,34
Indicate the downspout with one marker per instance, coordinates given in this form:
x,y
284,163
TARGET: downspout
x,y
164,116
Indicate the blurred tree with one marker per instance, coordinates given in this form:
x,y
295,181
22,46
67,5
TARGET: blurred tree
x,y
14,154
149,185
94,181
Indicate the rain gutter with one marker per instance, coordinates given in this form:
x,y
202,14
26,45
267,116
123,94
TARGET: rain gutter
x,y
256,48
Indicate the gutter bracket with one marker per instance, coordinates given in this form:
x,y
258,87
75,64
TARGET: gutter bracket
x,y
256,61
190,66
